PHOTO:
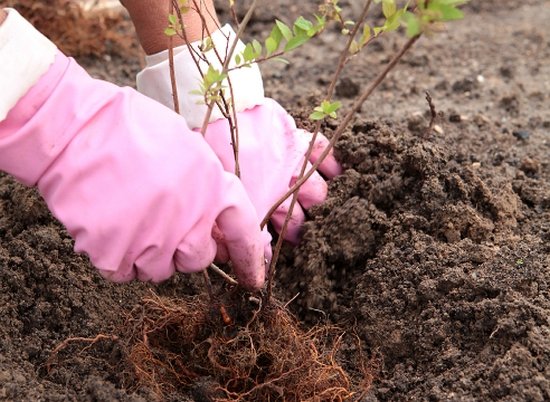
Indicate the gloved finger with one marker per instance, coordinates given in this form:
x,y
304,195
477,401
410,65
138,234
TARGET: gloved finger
x,y
330,167
268,252
313,192
196,253
222,254
295,224
243,240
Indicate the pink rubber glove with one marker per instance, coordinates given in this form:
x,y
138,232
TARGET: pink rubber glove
x,y
271,154
271,148
138,191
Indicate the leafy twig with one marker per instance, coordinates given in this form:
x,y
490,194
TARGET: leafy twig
x,y
228,57
344,56
338,132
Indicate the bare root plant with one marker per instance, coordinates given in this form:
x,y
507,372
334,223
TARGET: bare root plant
x,y
247,354
247,347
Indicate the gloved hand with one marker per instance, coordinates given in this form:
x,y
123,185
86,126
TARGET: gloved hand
x,y
139,192
271,148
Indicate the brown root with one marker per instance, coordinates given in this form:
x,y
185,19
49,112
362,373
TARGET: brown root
x,y
259,354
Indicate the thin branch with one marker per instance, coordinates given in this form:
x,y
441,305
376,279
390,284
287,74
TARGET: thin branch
x,y
433,113
228,108
347,119
344,56
208,284
221,273
228,57
175,99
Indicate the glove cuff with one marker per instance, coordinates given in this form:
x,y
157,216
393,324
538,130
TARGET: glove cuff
x,y
154,80
25,54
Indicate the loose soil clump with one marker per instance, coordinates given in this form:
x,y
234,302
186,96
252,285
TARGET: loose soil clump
x,y
421,251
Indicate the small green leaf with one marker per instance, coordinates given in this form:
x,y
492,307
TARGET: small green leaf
x,y
413,24
170,31
270,45
284,29
388,8
365,36
172,19
295,42
329,107
276,35
450,13
206,45
302,24
317,116
248,52
257,48
238,59
354,47
281,60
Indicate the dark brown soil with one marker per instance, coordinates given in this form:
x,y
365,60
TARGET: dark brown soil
x,y
434,247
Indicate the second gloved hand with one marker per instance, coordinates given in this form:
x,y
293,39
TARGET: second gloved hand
x,y
271,148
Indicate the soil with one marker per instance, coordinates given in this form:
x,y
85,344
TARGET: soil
x,y
433,246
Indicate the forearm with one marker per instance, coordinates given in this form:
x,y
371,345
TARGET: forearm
x,y
150,18
3,16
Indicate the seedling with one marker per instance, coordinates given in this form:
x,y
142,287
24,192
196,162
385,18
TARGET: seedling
x,y
251,348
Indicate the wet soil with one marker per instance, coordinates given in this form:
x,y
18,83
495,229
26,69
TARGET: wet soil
x,y
433,246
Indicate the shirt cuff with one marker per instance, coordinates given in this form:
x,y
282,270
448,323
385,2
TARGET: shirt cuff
x,y
246,82
25,54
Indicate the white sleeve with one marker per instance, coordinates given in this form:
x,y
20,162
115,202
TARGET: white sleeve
x,y
25,55
154,80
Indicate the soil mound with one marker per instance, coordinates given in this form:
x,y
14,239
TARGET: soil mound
x,y
422,254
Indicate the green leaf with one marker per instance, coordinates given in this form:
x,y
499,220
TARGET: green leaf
x,y
394,21
257,48
172,19
388,8
184,6
354,47
302,24
238,59
276,35
281,60
295,42
170,31
365,36
450,13
317,116
248,52
329,107
413,24
284,29
207,45
270,45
